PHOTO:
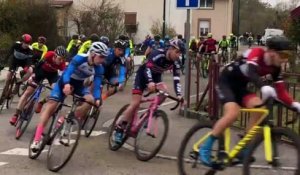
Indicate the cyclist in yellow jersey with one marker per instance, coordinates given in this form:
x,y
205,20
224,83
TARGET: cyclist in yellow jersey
x,y
39,49
72,43
87,44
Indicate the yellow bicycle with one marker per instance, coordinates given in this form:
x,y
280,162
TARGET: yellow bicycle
x,y
264,140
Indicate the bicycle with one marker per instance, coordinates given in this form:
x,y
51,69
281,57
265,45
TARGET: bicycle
x,y
223,157
9,91
130,68
205,62
60,135
25,116
224,56
232,54
145,126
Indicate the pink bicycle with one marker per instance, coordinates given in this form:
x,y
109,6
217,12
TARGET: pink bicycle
x,y
149,129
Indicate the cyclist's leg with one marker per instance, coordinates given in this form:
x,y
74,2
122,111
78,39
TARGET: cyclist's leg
x,y
251,100
83,109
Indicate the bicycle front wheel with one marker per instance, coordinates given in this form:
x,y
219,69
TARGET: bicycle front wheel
x,y
90,122
64,143
147,145
286,154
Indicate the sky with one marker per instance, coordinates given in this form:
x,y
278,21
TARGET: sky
x,y
274,2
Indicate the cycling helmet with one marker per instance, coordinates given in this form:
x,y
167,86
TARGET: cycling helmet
x,y
42,39
94,37
278,43
179,36
123,37
105,40
61,51
120,44
167,38
74,37
178,44
99,48
209,35
26,38
157,37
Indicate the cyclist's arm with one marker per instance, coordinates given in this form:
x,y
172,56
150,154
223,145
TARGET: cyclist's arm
x,y
148,72
176,77
97,82
77,60
70,45
253,75
85,46
127,52
10,52
282,92
45,50
148,50
122,73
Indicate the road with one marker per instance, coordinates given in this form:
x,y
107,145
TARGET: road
x,y
92,156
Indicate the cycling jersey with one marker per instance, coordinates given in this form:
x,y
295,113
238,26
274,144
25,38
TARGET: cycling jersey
x,y
156,45
75,74
38,52
232,42
49,65
112,63
210,44
223,43
21,57
251,69
152,70
85,47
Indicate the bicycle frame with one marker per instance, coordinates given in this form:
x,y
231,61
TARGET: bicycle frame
x,y
138,121
247,138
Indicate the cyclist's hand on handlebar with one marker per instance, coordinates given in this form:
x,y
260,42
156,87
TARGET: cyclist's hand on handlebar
x,y
296,105
67,89
267,92
98,103
151,87
121,87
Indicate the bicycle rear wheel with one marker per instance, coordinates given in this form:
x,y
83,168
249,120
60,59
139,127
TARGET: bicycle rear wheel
x,y
64,143
148,145
25,118
111,142
90,122
286,160
188,162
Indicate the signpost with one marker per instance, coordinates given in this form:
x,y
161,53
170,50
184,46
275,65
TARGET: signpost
x,y
188,5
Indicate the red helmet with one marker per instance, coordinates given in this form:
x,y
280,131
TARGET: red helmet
x,y
26,38
42,39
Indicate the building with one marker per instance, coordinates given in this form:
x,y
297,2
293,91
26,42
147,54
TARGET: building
x,y
213,16
295,14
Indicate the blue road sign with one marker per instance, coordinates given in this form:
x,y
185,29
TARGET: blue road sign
x,y
188,4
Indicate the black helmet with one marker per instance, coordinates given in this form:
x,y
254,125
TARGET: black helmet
x,y
120,44
75,37
157,37
279,43
61,51
94,37
178,44
123,37
105,40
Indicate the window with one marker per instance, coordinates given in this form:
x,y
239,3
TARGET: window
x,y
130,18
206,3
204,27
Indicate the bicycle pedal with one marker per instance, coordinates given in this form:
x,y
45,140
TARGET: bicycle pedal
x,y
63,143
194,155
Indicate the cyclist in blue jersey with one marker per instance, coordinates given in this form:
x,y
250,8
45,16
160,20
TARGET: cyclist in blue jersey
x,y
80,68
148,75
155,44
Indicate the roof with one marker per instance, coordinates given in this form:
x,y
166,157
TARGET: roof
x,y
295,13
63,3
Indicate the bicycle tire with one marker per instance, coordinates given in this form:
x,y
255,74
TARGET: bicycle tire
x,y
142,156
29,113
10,97
71,120
111,142
95,116
185,141
274,132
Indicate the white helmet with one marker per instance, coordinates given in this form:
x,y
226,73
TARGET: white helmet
x,y
99,48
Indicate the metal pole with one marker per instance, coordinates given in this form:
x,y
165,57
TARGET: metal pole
x,y
187,61
238,24
164,20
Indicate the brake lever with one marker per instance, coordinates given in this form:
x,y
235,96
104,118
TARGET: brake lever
x,y
176,106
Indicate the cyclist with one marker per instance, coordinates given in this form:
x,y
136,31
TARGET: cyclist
x,y
210,45
81,67
148,75
73,46
157,43
232,41
167,41
22,57
115,58
46,69
39,49
87,44
234,94
105,40
223,46
250,40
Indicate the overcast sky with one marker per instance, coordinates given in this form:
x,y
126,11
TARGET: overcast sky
x,y
274,2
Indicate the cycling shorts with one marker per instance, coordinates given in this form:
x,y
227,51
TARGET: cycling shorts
x,y
15,63
41,74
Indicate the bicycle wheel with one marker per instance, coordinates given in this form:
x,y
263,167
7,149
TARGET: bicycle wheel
x,y
111,142
203,68
25,118
188,160
90,122
146,146
10,96
286,160
63,145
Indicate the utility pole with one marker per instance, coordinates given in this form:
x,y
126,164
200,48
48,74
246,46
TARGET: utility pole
x,y
164,20
187,60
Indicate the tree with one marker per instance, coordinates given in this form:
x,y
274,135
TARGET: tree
x,y
157,28
103,18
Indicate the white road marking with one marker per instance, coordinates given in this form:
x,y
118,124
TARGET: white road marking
x,y
3,163
16,151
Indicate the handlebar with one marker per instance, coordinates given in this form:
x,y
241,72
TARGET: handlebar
x,y
77,98
273,100
160,92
